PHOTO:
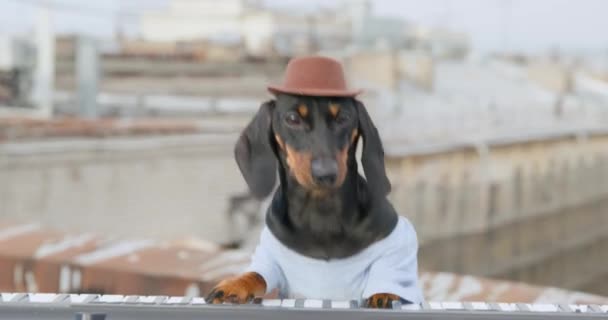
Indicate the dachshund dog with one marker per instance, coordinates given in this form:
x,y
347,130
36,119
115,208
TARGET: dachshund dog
x,y
329,233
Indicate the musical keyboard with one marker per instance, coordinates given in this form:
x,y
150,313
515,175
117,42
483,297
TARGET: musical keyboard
x,y
30,306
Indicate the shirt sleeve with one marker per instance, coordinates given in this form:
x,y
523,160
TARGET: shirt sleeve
x,y
263,263
396,271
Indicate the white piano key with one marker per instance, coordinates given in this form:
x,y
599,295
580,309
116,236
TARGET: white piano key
x,y
435,305
524,307
411,307
42,297
112,298
480,306
544,307
313,303
579,308
147,299
271,302
340,304
76,298
510,307
288,303
595,308
160,299
604,308
174,300
61,298
198,300
7,297
452,305
82,298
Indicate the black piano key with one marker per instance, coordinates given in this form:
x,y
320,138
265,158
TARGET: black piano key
x,y
326,304
90,316
579,308
300,303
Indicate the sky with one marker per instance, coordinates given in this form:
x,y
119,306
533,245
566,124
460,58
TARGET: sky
x,y
493,25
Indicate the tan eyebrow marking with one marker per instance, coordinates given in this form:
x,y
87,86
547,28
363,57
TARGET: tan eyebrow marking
x,y
334,109
303,110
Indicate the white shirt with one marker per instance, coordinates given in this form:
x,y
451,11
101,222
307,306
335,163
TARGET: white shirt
x,y
387,266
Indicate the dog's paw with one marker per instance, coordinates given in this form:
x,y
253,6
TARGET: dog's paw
x,y
382,301
241,289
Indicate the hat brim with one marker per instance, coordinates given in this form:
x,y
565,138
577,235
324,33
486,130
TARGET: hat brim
x,y
314,92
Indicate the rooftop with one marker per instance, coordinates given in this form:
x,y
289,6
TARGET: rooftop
x,y
48,260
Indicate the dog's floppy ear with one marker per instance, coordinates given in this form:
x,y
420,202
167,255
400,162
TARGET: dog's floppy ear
x,y
255,155
372,157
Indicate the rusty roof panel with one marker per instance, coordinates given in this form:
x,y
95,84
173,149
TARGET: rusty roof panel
x,y
33,258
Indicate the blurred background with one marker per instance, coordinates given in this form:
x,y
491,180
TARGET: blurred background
x,y
118,120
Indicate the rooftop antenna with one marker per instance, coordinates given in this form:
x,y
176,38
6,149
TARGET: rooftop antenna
x,y
45,61
506,6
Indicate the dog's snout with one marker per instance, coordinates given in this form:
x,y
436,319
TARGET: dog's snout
x,y
324,171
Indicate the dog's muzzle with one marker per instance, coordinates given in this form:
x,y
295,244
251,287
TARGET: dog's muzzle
x,y
324,171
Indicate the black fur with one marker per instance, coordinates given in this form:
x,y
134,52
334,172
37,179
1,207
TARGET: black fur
x,y
254,153
372,156
346,219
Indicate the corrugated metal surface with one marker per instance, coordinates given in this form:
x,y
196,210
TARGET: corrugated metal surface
x,y
33,258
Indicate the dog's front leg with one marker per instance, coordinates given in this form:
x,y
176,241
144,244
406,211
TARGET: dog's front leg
x,y
382,301
241,289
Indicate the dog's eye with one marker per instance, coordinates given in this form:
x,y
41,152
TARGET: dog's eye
x,y
293,119
342,118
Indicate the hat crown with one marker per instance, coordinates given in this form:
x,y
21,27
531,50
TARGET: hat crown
x,y
314,76
315,73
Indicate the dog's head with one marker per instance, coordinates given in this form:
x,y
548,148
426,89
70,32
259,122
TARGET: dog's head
x,y
312,136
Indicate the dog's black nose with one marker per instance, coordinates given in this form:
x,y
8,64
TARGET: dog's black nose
x,y
324,171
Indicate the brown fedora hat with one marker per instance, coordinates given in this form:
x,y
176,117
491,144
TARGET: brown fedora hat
x,y
314,76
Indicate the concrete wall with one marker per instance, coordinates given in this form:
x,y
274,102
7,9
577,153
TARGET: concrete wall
x,y
165,187
489,185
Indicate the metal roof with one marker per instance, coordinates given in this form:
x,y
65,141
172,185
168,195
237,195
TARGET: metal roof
x,y
39,259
